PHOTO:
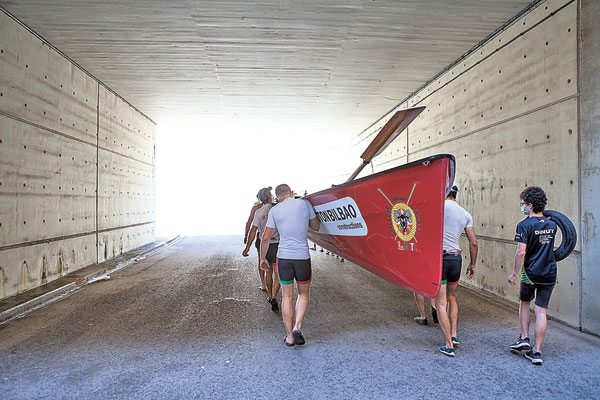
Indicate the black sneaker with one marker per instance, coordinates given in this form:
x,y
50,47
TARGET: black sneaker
x,y
534,356
420,321
274,305
434,315
520,345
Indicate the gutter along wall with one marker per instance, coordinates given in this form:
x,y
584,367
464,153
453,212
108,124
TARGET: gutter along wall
x,y
509,113
76,166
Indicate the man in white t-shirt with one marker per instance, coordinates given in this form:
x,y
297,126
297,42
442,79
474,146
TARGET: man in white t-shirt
x,y
456,221
291,217
258,224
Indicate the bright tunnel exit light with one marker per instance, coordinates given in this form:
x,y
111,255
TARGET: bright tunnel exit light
x,y
208,174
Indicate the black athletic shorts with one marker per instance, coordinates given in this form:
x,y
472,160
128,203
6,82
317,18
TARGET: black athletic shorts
x,y
257,244
451,266
288,269
272,253
542,294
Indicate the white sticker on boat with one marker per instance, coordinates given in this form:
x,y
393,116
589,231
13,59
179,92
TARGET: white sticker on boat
x,y
341,217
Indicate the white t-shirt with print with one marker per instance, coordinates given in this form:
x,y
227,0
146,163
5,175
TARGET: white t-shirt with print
x,y
260,221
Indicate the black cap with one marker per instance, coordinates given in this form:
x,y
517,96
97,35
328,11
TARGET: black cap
x,y
452,192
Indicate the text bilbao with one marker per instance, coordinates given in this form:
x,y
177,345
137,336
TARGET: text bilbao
x,y
337,214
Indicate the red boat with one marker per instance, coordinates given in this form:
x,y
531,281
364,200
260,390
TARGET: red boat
x,y
390,223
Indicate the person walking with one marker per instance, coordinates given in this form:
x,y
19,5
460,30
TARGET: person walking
x,y
261,274
535,260
456,221
291,218
258,227
422,319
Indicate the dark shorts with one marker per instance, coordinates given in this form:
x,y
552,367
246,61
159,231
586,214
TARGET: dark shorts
x,y
542,294
451,266
290,269
257,244
272,253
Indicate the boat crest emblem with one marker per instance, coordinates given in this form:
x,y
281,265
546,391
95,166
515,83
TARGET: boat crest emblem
x,y
403,220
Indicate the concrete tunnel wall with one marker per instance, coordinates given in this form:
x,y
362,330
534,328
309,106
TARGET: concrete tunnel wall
x,y
76,166
508,112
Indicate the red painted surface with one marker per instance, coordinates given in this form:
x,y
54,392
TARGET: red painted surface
x,y
409,198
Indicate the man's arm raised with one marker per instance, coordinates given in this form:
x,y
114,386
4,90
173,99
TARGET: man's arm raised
x,y
313,221
314,224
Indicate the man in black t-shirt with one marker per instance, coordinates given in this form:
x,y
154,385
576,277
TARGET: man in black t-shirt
x,y
535,260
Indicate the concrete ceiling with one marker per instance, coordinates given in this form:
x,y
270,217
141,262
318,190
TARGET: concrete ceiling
x,y
331,63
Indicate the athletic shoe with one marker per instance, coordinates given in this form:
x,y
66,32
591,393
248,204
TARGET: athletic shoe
x,y
455,341
274,305
447,351
421,321
534,356
521,345
434,315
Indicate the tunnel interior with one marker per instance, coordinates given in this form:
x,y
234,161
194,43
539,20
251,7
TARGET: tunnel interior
x,y
516,105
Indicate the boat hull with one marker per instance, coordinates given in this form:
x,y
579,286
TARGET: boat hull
x,y
390,223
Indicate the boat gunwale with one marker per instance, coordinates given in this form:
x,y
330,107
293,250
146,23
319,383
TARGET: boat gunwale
x,y
412,163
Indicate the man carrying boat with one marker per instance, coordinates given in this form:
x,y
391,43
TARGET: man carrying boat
x,y
258,225
291,218
456,220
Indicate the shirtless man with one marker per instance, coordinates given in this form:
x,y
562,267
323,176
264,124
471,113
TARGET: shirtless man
x,y
261,273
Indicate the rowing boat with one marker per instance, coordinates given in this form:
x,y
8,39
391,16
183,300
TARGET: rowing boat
x,y
391,222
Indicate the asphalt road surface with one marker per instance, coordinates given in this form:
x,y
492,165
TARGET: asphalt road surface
x,y
190,322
